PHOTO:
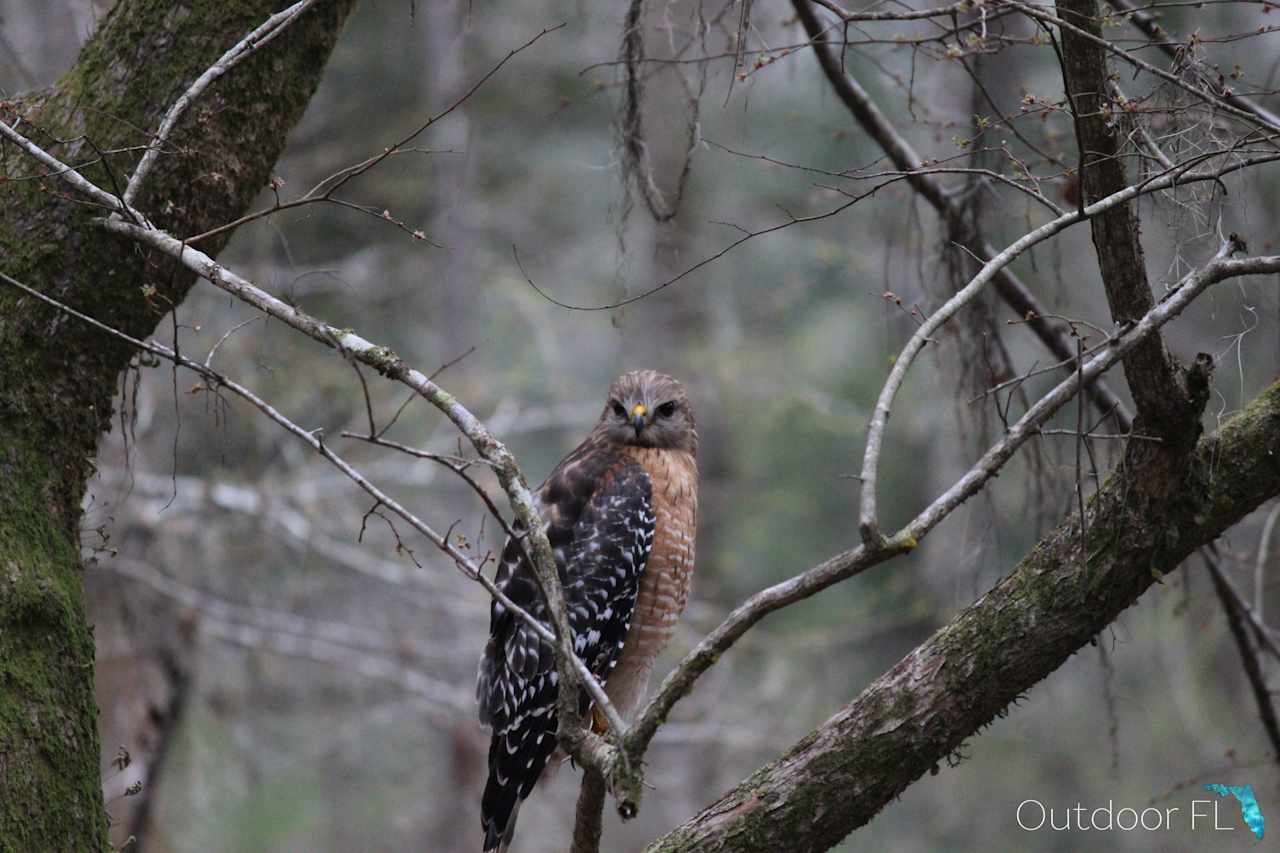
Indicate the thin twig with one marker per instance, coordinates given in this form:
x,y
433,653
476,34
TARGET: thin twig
x,y
208,359
1262,120
1160,38
325,189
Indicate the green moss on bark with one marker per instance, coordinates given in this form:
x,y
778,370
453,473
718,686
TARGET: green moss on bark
x,y
58,376
48,737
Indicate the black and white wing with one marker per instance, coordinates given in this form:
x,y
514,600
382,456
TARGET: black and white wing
x,y
598,508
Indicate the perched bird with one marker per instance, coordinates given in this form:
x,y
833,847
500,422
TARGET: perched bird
x,y
621,512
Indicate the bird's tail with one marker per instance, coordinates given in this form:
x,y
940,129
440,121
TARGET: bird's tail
x,y
497,833
517,757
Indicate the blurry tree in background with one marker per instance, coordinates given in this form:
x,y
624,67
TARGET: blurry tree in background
x,y
285,659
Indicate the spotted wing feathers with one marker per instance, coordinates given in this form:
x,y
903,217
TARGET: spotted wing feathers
x,y
601,526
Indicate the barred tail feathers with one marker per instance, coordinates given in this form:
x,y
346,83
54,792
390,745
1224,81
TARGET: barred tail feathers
x,y
517,758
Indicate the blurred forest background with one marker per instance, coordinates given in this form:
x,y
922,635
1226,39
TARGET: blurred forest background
x,y
289,687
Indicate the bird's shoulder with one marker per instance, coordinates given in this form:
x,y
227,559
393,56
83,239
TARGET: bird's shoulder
x,y
589,471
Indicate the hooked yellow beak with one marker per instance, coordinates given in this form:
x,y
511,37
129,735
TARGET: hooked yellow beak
x,y
637,417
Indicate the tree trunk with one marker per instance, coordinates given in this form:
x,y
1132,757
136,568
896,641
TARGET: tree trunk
x,y
57,377
1143,523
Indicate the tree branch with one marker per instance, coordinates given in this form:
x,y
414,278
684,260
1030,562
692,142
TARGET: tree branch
x,y
1161,39
587,747
1143,522
1262,121
868,522
587,823
849,563
580,742
1161,399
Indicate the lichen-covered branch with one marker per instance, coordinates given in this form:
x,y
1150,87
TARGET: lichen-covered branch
x,y
573,674
129,222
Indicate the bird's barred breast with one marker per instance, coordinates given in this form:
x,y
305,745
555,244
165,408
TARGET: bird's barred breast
x,y
668,574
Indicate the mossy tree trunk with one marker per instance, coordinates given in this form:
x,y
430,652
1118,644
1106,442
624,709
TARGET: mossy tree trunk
x,y
57,377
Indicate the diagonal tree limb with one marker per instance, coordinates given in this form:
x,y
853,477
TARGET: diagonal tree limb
x,y
585,745
57,391
126,220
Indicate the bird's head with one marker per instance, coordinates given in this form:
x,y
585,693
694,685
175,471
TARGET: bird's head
x,y
649,409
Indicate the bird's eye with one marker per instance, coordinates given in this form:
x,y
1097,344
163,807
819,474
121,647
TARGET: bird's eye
x,y
667,409
617,409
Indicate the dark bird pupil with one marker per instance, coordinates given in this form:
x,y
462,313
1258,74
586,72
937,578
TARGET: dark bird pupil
x,y
667,409
618,410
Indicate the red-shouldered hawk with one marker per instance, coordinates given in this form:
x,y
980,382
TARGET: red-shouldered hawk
x,y
621,512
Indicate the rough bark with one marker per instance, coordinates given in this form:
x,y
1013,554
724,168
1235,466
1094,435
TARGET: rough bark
x,y
1158,393
1149,516
57,377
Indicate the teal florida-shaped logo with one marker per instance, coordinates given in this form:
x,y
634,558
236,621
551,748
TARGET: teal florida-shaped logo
x,y
1249,810
1201,814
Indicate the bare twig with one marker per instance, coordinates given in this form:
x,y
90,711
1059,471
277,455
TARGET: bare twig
x,y
1161,39
1220,102
902,15
325,189
208,359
